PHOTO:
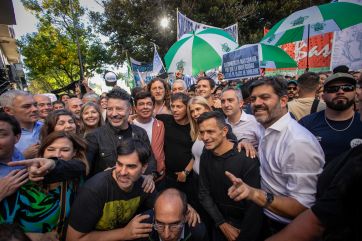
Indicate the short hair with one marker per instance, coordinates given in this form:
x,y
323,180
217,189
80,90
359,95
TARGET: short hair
x,y
58,102
279,85
127,146
12,232
11,120
341,69
238,93
180,96
91,96
308,81
143,95
181,81
211,81
120,94
220,119
7,98
176,193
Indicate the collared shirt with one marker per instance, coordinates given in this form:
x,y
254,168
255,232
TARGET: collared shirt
x,y
5,169
29,137
246,128
291,160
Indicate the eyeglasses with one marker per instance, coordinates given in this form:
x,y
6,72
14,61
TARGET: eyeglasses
x,y
336,88
174,227
292,88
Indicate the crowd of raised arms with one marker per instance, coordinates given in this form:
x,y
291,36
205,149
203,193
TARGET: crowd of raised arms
x,y
269,158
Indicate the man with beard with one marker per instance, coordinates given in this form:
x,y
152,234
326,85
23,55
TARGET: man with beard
x,y
292,90
290,159
103,142
74,105
339,127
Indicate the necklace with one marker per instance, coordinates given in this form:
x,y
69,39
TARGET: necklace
x,y
349,125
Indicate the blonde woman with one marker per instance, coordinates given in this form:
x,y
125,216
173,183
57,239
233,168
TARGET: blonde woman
x,y
90,117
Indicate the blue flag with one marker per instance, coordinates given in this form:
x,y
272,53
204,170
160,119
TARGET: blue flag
x,y
157,63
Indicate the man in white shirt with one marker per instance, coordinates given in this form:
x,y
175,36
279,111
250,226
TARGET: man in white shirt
x,y
244,126
144,105
290,159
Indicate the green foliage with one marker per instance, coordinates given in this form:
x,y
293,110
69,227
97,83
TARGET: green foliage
x,y
133,25
50,55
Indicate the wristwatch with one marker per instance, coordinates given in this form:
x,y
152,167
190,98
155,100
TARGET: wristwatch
x,y
269,199
186,172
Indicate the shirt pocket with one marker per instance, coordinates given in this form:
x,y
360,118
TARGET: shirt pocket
x,y
108,158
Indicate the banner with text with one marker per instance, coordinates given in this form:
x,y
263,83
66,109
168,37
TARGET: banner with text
x,y
241,63
185,25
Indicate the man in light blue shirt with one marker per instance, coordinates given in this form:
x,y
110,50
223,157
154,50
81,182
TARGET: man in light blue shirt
x,y
22,106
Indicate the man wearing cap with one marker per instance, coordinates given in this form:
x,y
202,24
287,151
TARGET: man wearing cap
x,y
292,90
339,127
306,103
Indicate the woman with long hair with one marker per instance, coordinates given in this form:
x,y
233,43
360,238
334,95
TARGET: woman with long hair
x,y
90,118
59,120
160,90
42,209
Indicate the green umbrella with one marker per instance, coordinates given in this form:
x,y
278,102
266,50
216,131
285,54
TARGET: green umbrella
x,y
199,50
313,21
273,57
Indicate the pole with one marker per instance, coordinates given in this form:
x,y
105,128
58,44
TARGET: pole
x,y
177,31
75,24
307,69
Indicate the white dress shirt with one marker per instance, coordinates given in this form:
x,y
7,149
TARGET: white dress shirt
x,y
246,128
291,160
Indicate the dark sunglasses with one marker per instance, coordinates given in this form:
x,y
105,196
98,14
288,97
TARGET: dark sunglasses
x,y
335,89
292,88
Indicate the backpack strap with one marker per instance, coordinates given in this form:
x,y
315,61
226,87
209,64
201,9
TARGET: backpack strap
x,y
314,106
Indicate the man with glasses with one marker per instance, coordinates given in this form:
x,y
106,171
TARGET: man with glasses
x,y
339,127
292,90
170,224
306,103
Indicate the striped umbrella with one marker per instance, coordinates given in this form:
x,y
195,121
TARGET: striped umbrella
x,y
199,50
313,21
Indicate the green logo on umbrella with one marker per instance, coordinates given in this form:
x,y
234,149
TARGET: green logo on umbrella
x,y
180,64
225,47
318,27
299,21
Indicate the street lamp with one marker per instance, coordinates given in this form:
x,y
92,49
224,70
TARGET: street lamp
x,y
164,22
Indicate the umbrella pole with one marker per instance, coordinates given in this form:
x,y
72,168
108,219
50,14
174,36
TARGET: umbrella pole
x,y
307,69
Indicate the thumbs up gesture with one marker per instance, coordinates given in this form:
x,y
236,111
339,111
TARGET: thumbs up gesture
x,y
239,190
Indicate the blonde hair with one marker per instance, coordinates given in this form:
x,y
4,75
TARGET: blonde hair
x,y
194,132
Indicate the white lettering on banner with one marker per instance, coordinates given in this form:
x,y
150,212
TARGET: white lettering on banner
x,y
300,54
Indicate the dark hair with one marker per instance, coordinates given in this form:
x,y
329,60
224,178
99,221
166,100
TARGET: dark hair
x,y
192,88
180,96
51,121
12,232
79,145
176,193
341,69
11,120
143,95
279,85
127,146
220,119
118,93
211,81
166,86
309,81
59,102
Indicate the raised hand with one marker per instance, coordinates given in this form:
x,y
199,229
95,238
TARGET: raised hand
x,y
239,190
37,167
136,229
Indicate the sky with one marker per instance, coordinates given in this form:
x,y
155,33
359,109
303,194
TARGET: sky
x,y
27,23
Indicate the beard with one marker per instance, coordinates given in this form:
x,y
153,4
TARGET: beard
x,y
340,105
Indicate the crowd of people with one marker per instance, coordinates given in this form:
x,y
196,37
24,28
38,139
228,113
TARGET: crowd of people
x,y
269,158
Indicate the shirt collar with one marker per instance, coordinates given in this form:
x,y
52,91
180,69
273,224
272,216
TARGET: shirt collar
x,y
282,123
243,118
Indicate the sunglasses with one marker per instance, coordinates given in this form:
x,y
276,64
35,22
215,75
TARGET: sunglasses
x,y
292,88
335,89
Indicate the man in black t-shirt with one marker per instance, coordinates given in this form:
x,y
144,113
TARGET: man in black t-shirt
x,y
105,209
339,127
